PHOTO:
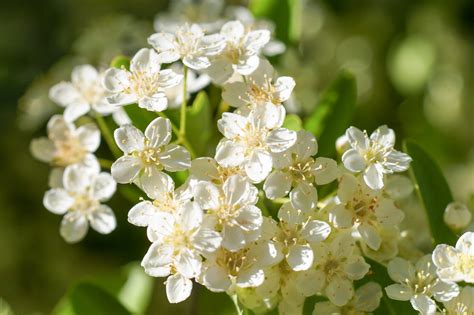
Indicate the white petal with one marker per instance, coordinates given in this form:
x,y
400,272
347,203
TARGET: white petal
x,y
145,60
115,80
283,88
339,291
306,145
126,169
103,187
373,177
310,282
77,178
161,226
250,278
315,231
168,78
165,44
76,110
43,149
129,139
400,270
325,170
356,268
370,235
64,94
233,30
196,62
250,218
384,136
341,217
206,240
277,185
304,197
348,187
353,161
220,70
423,304
255,40
103,220
155,103
387,213
57,200
234,94
59,128
300,257
232,125
445,291
157,260
73,227
178,288
397,161
158,132
89,137
156,184
190,215
291,216
238,191
206,195
121,99
280,139
465,244
399,292
246,64
230,154
368,297
204,168
141,213
216,279
258,166
357,138
84,75
175,158
444,256
188,263
233,238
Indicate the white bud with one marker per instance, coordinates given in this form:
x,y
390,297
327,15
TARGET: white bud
x,y
457,216
342,144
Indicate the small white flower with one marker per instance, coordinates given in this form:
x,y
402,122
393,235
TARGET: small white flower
x,y
419,284
164,198
144,84
83,93
189,44
296,167
147,154
249,141
366,300
463,304
296,232
232,208
67,145
337,265
457,216
178,242
240,54
364,209
260,87
456,263
207,169
244,268
80,201
375,155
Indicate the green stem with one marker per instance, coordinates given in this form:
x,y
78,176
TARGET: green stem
x,y
104,163
106,133
182,123
240,310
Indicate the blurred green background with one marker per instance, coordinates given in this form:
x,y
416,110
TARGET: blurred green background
x,y
413,61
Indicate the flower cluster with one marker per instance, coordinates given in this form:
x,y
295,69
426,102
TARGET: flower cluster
x,y
249,220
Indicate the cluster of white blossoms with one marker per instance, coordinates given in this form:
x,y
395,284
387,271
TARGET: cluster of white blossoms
x,y
247,221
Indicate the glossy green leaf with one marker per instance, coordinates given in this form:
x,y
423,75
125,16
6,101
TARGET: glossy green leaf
x,y
333,113
433,190
293,122
120,62
90,299
199,124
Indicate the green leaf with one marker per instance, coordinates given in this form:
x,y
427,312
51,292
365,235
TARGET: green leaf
x,y
199,124
140,117
433,190
293,122
136,292
5,309
333,113
285,13
90,299
378,273
120,62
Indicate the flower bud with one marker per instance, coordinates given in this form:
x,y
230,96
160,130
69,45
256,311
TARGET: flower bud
x,y
457,216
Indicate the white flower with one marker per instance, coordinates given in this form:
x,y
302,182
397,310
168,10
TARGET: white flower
x,y
457,216
80,201
364,209
178,242
83,93
366,300
232,208
337,265
66,144
375,156
297,231
260,87
389,247
147,154
164,198
297,168
463,304
240,54
144,84
194,83
189,44
207,169
419,284
456,263
243,268
249,141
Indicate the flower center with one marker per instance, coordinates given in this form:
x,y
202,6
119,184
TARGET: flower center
x,y
423,283
92,92
68,151
376,152
167,203
465,263
180,239
226,172
332,267
143,83
234,262
302,171
363,209
253,138
84,203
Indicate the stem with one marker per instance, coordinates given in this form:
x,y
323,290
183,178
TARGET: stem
x,y
104,129
240,310
182,123
104,163
281,200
